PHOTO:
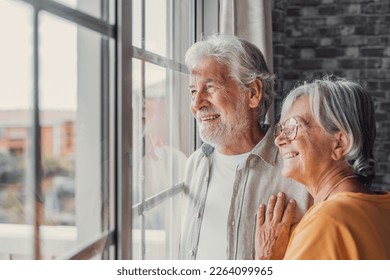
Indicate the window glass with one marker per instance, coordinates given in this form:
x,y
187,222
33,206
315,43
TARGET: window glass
x,y
157,151
71,88
161,127
159,225
137,23
160,164
156,26
137,239
16,87
58,116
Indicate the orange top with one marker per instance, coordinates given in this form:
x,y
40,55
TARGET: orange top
x,y
346,226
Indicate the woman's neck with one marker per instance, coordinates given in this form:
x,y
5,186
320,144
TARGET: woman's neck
x,y
334,181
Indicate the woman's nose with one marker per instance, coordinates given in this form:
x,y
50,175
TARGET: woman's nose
x,y
280,140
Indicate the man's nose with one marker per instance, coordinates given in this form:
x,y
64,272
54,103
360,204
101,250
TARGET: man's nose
x,y
199,100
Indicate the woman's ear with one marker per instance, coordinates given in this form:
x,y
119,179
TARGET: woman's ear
x,y
256,93
340,145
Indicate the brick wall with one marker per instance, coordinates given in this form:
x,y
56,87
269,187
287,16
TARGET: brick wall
x,y
349,38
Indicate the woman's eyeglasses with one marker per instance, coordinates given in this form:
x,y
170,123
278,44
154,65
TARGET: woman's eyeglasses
x,y
289,127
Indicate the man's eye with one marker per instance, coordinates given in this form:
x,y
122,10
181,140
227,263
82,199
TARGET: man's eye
x,y
211,88
193,92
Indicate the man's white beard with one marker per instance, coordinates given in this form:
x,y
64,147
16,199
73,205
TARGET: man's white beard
x,y
226,129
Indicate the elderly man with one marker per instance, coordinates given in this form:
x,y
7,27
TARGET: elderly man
x,y
238,165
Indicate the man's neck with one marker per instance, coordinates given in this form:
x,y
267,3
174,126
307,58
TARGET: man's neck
x,y
242,143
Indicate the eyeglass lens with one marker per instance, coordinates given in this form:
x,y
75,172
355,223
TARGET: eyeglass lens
x,y
289,127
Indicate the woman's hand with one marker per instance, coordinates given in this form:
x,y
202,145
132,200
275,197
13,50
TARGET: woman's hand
x,y
273,227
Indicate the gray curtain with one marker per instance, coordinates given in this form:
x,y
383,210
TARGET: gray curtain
x,y
251,20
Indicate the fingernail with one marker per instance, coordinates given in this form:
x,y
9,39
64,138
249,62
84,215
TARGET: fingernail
x,y
291,201
279,194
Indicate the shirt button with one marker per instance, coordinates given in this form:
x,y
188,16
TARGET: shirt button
x,y
192,253
206,179
233,223
198,215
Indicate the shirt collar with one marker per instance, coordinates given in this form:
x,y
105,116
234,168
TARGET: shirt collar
x,y
207,149
266,148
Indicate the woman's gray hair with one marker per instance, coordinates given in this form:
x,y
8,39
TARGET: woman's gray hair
x,y
245,61
342,105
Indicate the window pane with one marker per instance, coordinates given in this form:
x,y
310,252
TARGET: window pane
x,y
16,88
159,235
160,165
156,26
162,234
58,105
156,156
137,23
136,244
162,128
74,139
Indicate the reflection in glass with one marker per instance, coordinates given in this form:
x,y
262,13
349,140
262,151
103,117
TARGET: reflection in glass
x,y
155,171
161,126
158,160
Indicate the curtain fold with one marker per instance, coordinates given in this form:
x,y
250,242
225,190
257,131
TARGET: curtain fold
x,y
250,20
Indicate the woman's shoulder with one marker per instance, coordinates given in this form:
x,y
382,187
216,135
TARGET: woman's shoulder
x,y
343,206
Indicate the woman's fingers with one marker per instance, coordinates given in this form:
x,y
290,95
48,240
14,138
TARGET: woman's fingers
x,y
276,210
279,207
289,212
260,214
270,208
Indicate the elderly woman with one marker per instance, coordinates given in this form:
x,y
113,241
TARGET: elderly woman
x,y
326,137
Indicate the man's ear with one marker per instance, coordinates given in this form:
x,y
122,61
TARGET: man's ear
x,y
340,144
256,93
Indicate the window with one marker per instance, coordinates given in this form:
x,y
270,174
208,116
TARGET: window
x,y
95,126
